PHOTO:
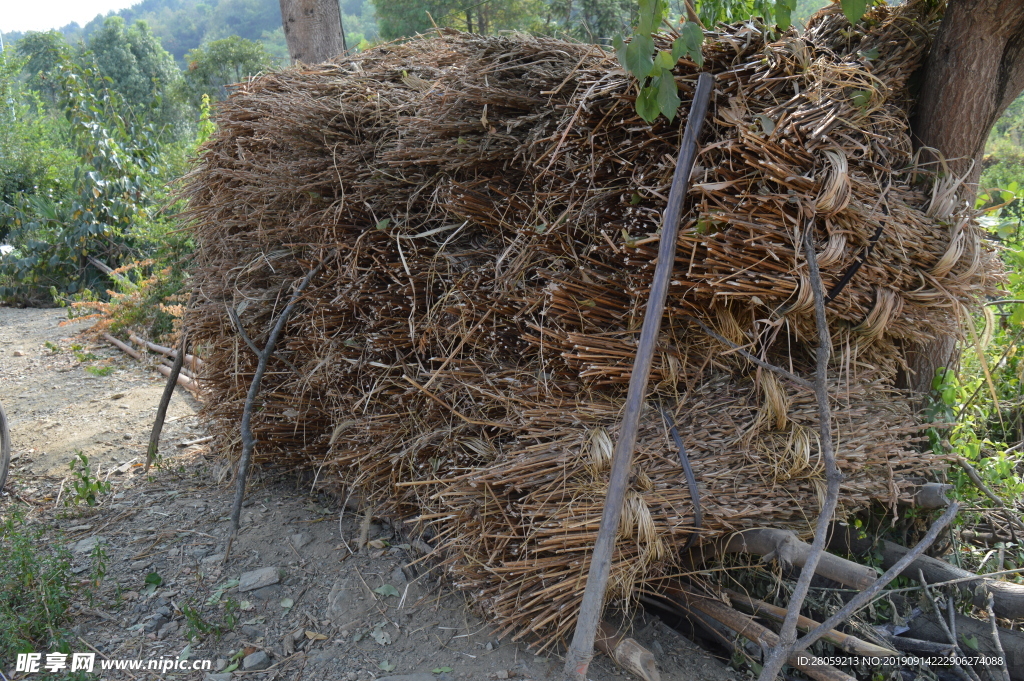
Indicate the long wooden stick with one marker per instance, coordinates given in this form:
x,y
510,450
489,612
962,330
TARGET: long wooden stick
x,y
581,652
165,401
248,440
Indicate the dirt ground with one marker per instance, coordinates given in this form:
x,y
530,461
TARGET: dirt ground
x,y
292,602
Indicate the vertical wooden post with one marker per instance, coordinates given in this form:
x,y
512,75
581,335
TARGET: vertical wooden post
x,y
581,652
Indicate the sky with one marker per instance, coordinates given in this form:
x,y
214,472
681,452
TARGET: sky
x,y
42,15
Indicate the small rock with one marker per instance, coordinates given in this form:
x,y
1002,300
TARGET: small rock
x,y
489,646
155,623
256,661
299,539
18,353
127,436
167,630
218,677
220,663
501,674
408,677
88,544
268,593
163,610
398,576
256,579
130,595
215,558
141,564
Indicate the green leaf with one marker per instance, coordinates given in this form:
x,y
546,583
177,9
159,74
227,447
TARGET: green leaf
x,y
153,578
861,98
668,96
664,60
693,39
383,224
440,670
287,603
647,104
620,50
784,13
387,665
649,18
854,9
387,590
638,55
870,54
970,641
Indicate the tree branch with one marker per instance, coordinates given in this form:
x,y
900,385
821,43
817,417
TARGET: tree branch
x,y
779,654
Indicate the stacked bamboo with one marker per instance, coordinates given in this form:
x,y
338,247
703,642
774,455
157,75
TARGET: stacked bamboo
x,y
485,210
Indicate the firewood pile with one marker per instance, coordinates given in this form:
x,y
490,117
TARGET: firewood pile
x,y
485,211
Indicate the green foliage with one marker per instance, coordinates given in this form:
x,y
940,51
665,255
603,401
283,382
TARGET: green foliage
x,y
199,626
86,485
35,589
139,69
659,94
213,67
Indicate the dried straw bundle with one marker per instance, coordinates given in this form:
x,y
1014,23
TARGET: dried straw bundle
x,y
485,211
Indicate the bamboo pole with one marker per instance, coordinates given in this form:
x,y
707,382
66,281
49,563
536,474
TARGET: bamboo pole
x,y
581,652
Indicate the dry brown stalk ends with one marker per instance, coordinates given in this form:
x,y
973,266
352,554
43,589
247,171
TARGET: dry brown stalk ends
x,y
502,261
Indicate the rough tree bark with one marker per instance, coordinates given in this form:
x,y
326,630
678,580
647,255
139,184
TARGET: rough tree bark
x,y
312,29
974,71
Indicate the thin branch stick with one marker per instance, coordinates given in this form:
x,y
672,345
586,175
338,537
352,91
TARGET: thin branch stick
x,y
862,598
248,341
995,637
972,473
789,376
165,401
248,441
968,673
779,654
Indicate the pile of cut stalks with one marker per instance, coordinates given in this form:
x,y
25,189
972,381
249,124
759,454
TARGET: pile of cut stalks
x,y
480,217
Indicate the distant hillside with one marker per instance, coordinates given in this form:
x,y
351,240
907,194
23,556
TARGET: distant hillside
x,y
183,25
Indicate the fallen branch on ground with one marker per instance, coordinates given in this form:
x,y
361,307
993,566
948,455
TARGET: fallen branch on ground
x,y
1009,597
785,547
190,384
763,637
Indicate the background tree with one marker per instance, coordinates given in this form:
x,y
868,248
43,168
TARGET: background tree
x,y
44,52
312,29
138,67
222,62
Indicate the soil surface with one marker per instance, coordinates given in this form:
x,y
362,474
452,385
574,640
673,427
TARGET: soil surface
x,y
296,599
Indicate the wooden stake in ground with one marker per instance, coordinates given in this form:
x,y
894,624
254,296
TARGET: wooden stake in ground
x,y
165,401
248,441
581,652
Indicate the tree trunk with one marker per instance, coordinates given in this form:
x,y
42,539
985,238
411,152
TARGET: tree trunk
x,y
974,71
312,29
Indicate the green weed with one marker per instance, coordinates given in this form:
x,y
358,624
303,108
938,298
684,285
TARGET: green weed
x,y
35,589
100,371
87,486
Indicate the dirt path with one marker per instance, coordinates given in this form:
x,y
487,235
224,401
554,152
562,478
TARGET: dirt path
x,y
293,600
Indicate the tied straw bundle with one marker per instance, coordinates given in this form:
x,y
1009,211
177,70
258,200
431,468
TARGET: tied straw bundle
x,y
484,214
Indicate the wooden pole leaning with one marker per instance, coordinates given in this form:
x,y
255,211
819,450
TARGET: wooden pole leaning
x,y
581,651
